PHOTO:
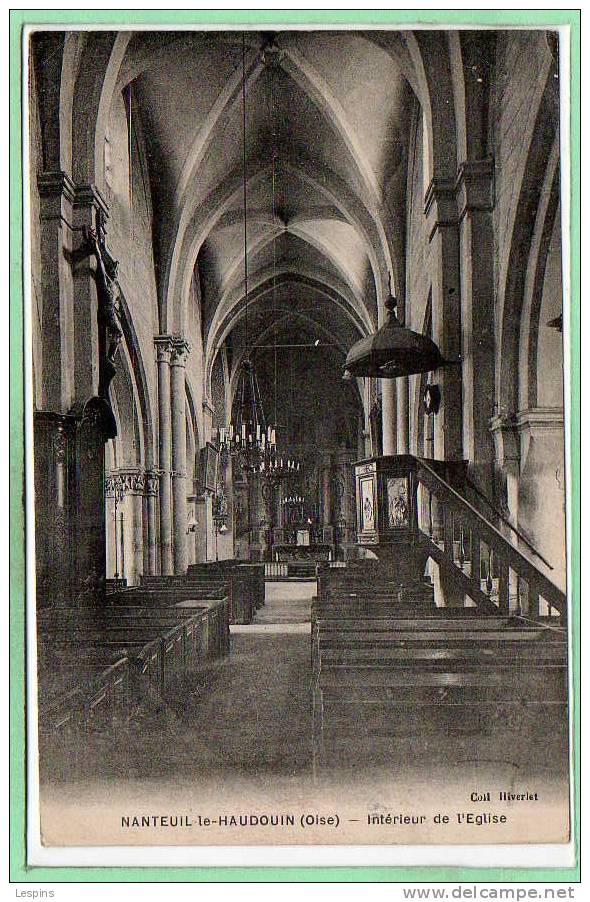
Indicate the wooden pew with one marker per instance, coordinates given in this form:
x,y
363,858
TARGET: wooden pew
x,y
242,583
389,663
95,666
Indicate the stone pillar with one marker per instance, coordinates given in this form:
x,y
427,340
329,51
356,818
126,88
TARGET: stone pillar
x,y
201,537
151,505
54,442
441,212
507,468
90,213
475,204
112,570
135,507
542,507
389,416
56,195
403,439
180,349
326,491
125,491
164,350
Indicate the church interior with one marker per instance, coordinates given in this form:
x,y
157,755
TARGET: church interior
x,y
296,329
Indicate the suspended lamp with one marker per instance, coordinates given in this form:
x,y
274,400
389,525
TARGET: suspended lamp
x,y
248,438
393,351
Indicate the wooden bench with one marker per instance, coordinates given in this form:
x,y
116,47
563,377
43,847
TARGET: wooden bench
x,y
243,584
96,666
389,663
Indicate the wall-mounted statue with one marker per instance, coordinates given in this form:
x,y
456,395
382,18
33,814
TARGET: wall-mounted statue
x,y
109,316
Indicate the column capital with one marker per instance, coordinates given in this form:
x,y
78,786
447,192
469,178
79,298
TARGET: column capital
x,y
180,351
208,406
152,482
440,204
164,345
56,194
535,423
56,183
90,196
475,186
123,482
506,443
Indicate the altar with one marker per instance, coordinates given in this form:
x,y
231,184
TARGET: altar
x,y
302,552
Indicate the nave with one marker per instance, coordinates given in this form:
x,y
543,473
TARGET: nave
x,y
298,418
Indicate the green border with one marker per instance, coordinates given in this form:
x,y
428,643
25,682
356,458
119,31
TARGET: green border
x,y
19,871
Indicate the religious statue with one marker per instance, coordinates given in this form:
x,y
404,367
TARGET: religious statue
x,y
108,294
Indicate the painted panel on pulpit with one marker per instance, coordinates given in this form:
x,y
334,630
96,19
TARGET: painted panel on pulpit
x,y
367,504
398,514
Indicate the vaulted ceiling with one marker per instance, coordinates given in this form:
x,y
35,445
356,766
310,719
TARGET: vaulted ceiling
x,y
328,118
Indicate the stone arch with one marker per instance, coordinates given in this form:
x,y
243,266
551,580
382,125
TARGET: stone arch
x,y
129,443
431,57
529,180
534,282
192,227
90,85
138,368
220,330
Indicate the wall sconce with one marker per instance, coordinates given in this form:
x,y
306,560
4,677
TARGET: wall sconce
x,y
192,524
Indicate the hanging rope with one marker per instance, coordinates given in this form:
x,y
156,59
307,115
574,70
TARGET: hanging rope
x,y
274,242
245,198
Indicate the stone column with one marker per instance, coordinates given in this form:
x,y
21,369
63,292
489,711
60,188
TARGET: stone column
x,y
403,439
135,492
326,490
180,350
441,212
90,213
56,196
112,527
151,499
475,204
111,550
389,416
164,350
507,468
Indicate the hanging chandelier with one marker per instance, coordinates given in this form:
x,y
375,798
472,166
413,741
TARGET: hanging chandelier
x,y
248,439
278,467
293,500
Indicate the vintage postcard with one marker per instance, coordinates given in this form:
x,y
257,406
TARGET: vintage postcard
x,y
297,318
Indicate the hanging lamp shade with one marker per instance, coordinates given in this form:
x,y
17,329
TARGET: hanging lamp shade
x,y
392,351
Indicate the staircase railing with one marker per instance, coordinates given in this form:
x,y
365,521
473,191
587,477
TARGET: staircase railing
x,y
477,557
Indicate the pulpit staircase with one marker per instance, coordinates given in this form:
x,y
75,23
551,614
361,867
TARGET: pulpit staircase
x,y
389,664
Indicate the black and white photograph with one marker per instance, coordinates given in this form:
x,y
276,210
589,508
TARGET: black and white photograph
x,y
296,304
